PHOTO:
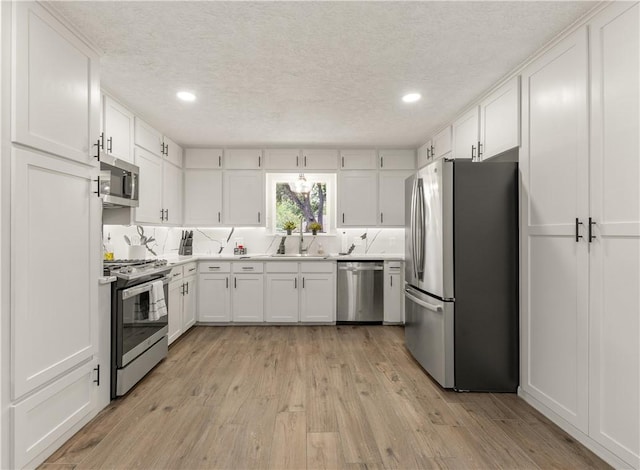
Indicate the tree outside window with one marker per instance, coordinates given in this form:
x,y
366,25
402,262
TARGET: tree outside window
x,y
291,206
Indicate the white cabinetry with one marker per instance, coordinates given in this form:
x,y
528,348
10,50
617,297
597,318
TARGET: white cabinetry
x,y
466,135
214,294
282,159
150,208
358,159
393,292
581,234
172,193
247,297
397,159
391,197
202,197
117,130
614,323
318,293
282,292
319,159
500,120
56,97
147,137
172,152
441,144
357,200
423,155
203,158
181,304
243,159
243,199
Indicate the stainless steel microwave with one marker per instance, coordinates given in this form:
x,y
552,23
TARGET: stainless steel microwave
x,y
118,182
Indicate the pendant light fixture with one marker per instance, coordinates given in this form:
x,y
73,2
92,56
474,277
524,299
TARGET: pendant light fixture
x,y
301,185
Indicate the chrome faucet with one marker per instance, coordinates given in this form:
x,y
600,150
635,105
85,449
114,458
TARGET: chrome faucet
x,y
302,250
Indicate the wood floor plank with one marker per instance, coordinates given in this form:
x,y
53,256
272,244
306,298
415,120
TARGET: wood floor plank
x,y
347,397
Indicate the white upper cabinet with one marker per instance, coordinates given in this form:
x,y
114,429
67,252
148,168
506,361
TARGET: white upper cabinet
x,y
203,158
466,135
243,159
202,197
56,92
614,328
243,199
117,130
423,155
358,159
397,159
319,159
282,159
441,143
391,197
357,202
500,120
147,137
150,208
172,152
172,194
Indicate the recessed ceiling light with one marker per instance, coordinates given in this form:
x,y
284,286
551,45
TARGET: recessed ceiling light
x,y
411,97
186,96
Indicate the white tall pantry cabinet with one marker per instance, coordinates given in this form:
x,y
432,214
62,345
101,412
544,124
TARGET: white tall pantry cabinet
x,y
49,335
581,234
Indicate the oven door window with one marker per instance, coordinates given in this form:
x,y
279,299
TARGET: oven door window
x,y
137,328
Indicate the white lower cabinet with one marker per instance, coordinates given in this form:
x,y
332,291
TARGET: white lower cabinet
x,y
281,300
393,292
318,293
214,294
247,293
181,304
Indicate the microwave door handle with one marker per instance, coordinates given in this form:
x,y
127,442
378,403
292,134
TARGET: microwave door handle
x,y
134,186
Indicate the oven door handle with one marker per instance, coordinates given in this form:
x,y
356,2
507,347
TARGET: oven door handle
x,y
146,287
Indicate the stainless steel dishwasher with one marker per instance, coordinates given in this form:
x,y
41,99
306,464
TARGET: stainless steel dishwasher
x,y
360,291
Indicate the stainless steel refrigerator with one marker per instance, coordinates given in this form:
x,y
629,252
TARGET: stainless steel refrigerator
x,y
461,291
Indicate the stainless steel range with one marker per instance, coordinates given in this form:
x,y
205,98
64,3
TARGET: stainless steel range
x,y
138,340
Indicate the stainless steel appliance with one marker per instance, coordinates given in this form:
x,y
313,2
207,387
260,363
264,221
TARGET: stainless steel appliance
x,y
360,291
138,343
118,182
461,309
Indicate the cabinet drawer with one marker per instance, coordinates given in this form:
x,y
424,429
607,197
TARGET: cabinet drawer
x,y
176,273
394,265
247,267
215,267
282,267
317,267
190,269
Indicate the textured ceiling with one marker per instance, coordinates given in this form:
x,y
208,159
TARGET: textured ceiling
x,y
324,73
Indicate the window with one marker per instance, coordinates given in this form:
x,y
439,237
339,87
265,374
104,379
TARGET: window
x,y
285,205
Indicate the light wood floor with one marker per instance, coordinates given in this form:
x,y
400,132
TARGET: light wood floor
x,y
311,397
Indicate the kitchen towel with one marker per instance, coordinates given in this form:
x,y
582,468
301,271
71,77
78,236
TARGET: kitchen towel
x,y
158,307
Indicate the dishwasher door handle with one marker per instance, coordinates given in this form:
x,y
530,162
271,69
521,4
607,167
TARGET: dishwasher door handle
x,y
372,268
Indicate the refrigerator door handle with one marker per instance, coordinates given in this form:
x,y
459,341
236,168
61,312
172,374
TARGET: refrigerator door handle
x,y
422,303
421,228
414,228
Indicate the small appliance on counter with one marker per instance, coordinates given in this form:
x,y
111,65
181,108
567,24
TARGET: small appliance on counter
x,y
240,250
186,243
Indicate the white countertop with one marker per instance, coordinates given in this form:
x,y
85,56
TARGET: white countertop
x,y
174,260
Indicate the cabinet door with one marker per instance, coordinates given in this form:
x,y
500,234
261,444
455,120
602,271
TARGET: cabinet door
x,y
317,159
555,267
147,137
358,159
282,159
118,130
150,190
357,199
56,95
203,158
500,120
190,303
243,159
172,152
397,159
243,199
248,298
281,298
174,307
441,143
424,155
202,197
391,197
615,252
172,193
393,296
214,298
466,135
54,306
317,298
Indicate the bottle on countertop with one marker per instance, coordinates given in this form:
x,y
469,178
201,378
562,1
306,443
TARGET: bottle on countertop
x,y
108,249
